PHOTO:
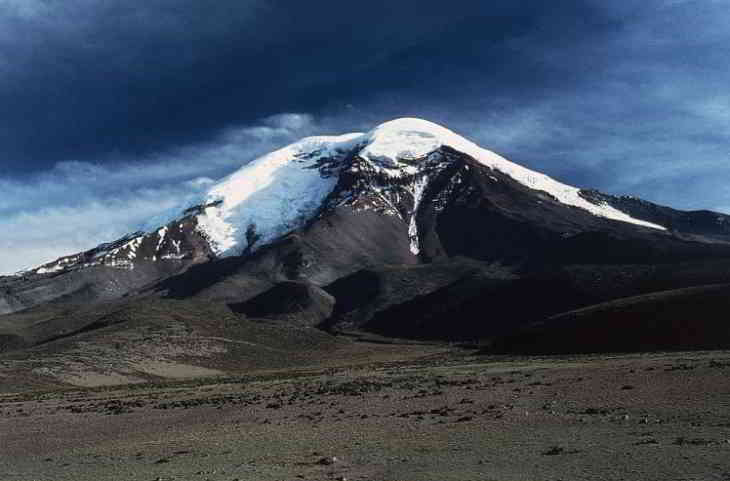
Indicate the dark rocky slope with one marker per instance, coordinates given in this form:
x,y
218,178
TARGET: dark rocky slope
x,y
693,318
299,302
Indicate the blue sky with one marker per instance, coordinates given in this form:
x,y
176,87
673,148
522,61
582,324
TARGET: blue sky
x,y
113,111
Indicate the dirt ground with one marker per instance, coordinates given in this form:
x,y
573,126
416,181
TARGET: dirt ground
x,y
442,416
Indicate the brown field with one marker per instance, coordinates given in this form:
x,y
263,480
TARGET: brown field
x,y
399,412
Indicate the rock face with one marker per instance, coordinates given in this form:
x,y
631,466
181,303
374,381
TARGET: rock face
x,y
410,212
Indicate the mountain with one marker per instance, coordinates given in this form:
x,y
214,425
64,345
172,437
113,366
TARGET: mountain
x,y
401,228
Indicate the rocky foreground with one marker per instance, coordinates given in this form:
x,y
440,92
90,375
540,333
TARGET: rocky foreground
x,y
446,415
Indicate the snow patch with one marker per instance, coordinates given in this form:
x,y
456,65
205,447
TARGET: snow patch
x,y
50,269
161,234
132,246
419,188
395,143
272,195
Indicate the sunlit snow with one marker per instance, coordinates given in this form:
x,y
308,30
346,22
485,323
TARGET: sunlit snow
x,y
272,195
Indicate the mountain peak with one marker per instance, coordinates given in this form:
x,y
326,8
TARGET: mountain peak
x,y
405,139
282,190
389,168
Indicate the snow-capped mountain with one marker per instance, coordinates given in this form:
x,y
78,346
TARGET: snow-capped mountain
x,y
283,190
407,192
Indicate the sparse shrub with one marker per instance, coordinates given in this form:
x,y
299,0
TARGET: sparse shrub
x,y
554,451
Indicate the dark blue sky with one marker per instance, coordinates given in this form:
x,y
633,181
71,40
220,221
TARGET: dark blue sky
x,y
113,110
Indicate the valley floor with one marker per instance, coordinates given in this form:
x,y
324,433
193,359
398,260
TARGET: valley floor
x,y
446,415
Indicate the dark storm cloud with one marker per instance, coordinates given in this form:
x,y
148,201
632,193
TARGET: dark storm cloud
x,y
89,79
112,111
